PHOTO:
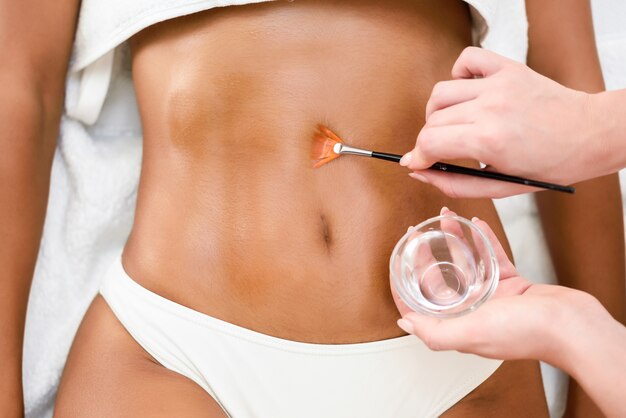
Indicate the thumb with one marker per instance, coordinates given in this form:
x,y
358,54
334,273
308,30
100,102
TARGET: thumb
x,y
415,159
441,334
464,186
476,62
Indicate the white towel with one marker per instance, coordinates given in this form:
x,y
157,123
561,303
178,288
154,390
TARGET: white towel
x,y
90,209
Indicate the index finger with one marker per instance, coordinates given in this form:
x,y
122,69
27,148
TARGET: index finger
x,y
452,92
476,62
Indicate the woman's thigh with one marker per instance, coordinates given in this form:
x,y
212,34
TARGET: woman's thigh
x,y
109,375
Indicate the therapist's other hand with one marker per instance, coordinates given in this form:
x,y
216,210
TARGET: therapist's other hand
x,y
507,116
521,320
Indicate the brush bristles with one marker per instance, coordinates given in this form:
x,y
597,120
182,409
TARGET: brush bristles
x,y
322,151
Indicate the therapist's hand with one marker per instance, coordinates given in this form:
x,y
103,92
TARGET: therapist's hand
x,y
521,321
509,117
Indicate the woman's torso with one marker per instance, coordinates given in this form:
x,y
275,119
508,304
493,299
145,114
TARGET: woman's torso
x,y
231,219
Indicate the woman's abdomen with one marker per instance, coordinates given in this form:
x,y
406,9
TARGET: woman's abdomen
x,y
231,218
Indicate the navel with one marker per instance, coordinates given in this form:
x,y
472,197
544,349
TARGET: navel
x,y
326,235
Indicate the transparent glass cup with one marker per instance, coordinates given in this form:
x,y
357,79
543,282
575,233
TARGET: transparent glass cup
x,y
444,267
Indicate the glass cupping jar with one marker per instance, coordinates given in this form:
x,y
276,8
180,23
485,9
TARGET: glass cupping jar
x,y
444,267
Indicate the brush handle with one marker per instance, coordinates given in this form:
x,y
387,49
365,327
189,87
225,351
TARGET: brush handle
x,y
451,168
388,157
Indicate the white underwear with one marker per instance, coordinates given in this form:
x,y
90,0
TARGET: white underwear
x,y
256,375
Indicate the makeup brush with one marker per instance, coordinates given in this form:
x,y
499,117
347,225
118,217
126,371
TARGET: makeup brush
x,y
327,146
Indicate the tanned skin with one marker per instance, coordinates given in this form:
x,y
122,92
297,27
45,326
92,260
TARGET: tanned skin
x,y
231,219
35,42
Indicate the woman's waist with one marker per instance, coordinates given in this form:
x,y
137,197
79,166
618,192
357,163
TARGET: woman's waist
x,y
287,286
264,229
286,264
280,258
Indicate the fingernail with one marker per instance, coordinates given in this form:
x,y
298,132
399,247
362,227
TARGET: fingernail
x,y
444,210
406,159
405,325
475,219
419,177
